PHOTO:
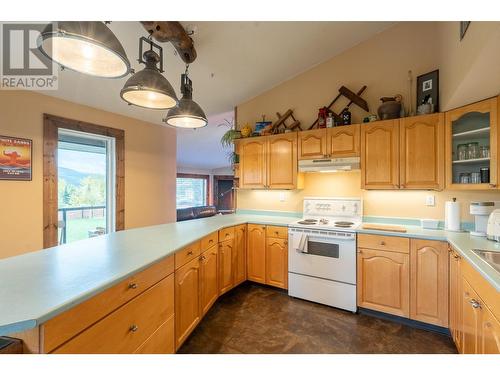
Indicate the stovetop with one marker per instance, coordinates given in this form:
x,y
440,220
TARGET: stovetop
x,y
326,224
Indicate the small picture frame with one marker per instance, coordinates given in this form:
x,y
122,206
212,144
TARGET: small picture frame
x,y
15,158
428,85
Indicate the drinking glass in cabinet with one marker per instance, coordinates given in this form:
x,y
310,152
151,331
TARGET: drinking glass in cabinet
x,y
462,151
475,177
484,152
464,178
473,150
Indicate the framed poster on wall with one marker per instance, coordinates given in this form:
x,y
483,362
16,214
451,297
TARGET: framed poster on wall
x,y
15,158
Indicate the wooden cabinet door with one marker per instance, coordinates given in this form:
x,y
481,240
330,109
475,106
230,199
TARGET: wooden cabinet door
x,y
429,281
471,319
343,141
422,152
282,161
383,281
380,155
277,262
226,249
312,144
187,300
489,334
256,253
253,161
240,254
209,288
455,314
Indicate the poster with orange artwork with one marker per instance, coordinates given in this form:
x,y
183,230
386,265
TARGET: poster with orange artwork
x,y
15,158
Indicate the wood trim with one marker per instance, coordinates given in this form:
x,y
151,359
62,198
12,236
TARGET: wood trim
x,y
215,189
51,126
200,176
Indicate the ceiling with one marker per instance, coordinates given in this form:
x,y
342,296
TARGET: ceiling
x,y
236,61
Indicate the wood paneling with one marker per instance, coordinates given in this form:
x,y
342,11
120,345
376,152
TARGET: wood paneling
x,y
187,254
208,241
471,319
256,253
455,297
51,126
187,300
226,234
343,141
226,249
383,281
209,278
240,254
429,282
282,161
253,159
386,243
380,155
277,232
277,262
312,144
124,330
489,333
162,341
422,152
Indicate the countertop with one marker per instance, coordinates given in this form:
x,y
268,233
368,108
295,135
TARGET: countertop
x,y
40,285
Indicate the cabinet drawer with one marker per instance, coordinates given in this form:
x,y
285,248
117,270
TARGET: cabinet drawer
x,y
208,241
126,329
160,342
70,323
226,234
188,253
387,243
276,232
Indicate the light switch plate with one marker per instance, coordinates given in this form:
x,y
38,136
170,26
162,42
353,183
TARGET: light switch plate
x,y
430,200
282,196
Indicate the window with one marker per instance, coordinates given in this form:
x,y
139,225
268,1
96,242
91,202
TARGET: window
x,y
192,190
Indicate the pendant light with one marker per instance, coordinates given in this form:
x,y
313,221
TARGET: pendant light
x,y
86,47
188,114
149,88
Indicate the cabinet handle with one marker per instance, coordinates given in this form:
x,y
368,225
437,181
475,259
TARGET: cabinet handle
x,y
286,242
493,185
360,252
203,257
456,256
133,328
190,253
210,241
382,243
488,324
132,286
475,304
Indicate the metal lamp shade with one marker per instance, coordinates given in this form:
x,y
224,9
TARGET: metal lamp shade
x,y
188,114
149,89
86,47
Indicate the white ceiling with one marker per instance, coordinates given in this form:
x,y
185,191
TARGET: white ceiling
x,y
236,61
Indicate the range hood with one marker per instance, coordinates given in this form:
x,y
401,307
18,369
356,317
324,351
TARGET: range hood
x,y
329,165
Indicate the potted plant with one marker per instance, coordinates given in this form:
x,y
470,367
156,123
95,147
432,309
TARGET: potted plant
x,y
227,140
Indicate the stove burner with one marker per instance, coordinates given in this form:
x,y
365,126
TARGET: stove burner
x,y
343,224
308,222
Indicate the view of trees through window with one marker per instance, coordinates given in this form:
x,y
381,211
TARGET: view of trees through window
x,y
191,191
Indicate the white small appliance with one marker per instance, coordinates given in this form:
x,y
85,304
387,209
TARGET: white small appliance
x,y
481,212
330,165
322,252
493,227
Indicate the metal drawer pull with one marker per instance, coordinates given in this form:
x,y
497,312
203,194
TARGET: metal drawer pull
x,y
382,243
132,286
190,253
202,257
475,304
133,328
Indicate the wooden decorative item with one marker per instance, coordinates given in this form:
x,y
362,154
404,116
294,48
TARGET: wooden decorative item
x,y
173,32
281,124
353,98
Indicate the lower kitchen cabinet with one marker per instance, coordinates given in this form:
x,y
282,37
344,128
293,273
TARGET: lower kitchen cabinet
x,y
240,254
277,262
429,281
471,319
226,250
256,253
187,300
455,298
209,278
383,281
489,333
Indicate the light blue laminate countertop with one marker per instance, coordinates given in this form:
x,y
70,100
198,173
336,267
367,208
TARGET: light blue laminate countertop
x,y
37,286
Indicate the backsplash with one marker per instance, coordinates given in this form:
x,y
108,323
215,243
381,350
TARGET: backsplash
x,y
376,203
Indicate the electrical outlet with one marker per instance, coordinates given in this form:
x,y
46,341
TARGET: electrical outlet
x,y
282,196
430,200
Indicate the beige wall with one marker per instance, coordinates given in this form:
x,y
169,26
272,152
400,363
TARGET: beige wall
x,y
469,71
150,168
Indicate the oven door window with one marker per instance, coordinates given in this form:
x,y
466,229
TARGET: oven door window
x,y
323,249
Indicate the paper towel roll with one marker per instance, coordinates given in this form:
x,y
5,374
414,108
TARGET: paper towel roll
x,y
452,216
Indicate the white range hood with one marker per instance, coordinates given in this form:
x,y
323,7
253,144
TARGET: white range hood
x,y
329,165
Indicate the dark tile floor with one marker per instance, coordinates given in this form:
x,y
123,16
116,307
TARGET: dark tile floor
x,y
257,319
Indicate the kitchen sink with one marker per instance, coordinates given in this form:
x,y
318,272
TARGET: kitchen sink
x,y
490,257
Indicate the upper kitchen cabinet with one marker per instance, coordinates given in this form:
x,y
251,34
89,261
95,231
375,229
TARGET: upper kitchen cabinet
x,y
422,152
312,144
269,162
343,141
380,155
471,146
253,152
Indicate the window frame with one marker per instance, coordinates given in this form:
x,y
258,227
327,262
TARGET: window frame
x,y
205,177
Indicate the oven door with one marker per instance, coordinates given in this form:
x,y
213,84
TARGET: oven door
x,y
323,256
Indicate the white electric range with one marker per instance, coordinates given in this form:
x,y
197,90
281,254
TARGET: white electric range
x,y
322,252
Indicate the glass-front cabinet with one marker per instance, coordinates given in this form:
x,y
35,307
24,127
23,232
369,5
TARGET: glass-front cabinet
x,y
471,146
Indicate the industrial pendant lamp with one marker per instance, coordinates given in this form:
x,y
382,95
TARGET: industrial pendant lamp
x,y
86,47
149,88
188,114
